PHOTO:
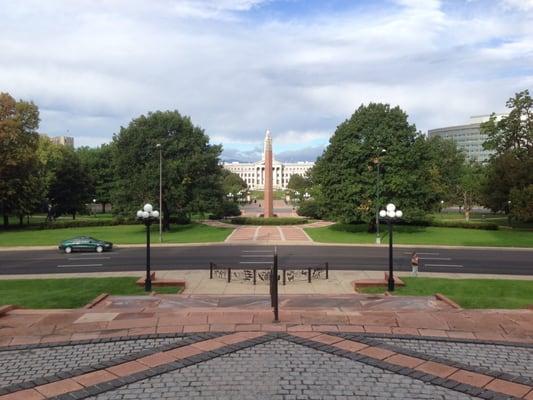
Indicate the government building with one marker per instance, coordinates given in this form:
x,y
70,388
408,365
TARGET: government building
x,y
468,137
254,173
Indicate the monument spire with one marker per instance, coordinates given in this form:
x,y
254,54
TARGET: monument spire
x,y
268,195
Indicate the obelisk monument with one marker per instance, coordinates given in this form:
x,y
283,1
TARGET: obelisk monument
x,y
268,195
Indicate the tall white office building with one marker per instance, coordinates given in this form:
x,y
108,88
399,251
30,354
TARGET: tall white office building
x,y
468,137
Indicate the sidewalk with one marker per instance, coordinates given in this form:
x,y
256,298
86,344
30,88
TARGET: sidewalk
x,y
329,345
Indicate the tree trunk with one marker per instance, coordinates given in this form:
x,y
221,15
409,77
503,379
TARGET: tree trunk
x,y
166,217
74,215
372,226
103,207
466,207
6,221
21,220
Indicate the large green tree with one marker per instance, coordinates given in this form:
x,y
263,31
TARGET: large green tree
x,y
69,185
232,183
510,169
191,167
19,185
346,176
298,183
97,163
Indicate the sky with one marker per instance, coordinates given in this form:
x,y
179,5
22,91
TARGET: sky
x,y
239,67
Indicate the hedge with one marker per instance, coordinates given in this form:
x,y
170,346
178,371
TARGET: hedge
x,y
268,221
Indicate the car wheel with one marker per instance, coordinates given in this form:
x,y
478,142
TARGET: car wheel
x,y
99,249
68,250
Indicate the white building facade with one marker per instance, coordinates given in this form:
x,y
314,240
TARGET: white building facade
x,y
254,173
468,137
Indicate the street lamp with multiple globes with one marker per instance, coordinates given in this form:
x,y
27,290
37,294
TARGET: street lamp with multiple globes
x,y
306,196
148,216
389,215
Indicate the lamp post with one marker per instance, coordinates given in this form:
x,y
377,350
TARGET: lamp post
x,y
94,207
147,216
441,205
390,215
230,196
306,196
160,191
378,187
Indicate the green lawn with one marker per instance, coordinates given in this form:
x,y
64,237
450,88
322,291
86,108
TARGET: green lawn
x,y
120,234
469,293
344,233
494,218
40,218
67,293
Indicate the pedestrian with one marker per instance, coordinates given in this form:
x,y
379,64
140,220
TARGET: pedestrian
x,y
414,264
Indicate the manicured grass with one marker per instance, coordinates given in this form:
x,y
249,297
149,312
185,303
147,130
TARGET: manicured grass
x,y
67,293
41,218
120,234
344,233
475,217
469,293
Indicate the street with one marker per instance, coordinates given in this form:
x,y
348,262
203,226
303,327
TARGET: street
x,y
482,261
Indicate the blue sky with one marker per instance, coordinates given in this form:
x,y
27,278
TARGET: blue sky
x,y
239,67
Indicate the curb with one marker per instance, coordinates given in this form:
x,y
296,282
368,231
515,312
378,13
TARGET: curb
x,y
448,301
96,300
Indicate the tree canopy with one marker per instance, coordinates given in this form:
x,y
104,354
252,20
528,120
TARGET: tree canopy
x,y
19,185
510,169
346,176
191,169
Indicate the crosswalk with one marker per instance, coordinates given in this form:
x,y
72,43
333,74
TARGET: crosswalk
x,y
435,260
81,260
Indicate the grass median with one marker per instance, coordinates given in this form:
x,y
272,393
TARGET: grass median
x,y
67,293
468,293
120,234
426,235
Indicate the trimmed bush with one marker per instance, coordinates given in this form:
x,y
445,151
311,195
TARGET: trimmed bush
x,y
268,221
309,209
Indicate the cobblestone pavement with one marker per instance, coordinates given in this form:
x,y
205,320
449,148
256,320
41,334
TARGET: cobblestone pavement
x,y
280,370
22,365
509,359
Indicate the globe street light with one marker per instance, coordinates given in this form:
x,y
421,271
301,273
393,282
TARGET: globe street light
x,y
230,196
147,216
306,196
389,215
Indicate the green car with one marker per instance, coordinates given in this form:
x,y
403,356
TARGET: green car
x,y
84,243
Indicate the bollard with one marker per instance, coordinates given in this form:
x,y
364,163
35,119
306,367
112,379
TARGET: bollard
x,y
255,276
284,276
210,270
229,275
327,270
308,275
275,287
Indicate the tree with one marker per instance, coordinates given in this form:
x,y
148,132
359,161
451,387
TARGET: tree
x,y
446,168
19,121
471,184
513,132
232,183
345,176
97,163
70,187
191,168
510,169
298,183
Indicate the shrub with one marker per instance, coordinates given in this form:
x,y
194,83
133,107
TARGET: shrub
x,y
309,209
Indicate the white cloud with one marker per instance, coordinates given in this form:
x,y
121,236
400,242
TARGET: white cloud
x,y
92,66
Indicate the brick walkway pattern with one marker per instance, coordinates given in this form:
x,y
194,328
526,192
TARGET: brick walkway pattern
x,y
265,234
262,365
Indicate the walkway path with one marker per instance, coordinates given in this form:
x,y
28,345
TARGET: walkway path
x,y
146,348
266,234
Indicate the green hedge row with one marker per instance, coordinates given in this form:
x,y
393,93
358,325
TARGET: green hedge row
x,y
268,221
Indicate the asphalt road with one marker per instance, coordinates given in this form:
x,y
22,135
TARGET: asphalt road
x,y
485,261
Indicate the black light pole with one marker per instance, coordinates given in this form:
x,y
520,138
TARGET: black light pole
x,y
378,187
147,216
389,215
